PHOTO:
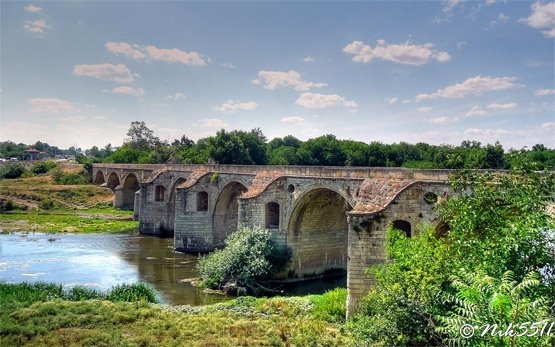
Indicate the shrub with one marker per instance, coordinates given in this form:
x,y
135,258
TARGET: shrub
x,y
13,170
79,293
68,178
250,255
9,205
330,306
42,167
46,204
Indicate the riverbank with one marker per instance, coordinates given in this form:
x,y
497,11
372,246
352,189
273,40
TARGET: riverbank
x,y
38,203
28,318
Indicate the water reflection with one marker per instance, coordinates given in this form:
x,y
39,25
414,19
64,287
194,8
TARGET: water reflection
x,y
101,261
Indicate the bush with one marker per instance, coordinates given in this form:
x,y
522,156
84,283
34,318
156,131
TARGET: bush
x,y
14,170
46,204
250,255
68,178
9,205
330,306
42,167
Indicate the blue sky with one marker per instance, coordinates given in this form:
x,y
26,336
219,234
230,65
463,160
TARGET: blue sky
x,y
77,73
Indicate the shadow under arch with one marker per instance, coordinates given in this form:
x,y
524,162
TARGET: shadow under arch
x,y
113,181
99,178
130,186
225,217
318,232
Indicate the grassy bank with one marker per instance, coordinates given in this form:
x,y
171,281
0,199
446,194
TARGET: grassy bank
x,y
41,204
35,316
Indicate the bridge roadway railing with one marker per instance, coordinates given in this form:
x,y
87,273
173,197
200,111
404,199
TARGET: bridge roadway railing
x,y
291,170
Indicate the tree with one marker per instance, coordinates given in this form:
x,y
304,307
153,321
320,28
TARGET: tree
x,y
139,136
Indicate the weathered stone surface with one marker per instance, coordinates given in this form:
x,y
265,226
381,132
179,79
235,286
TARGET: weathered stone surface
x,y
330,217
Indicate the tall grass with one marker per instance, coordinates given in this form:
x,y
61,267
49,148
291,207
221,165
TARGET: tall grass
x,y
24,294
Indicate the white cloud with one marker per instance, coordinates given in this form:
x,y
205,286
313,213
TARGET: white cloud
x,y
493,132
425,109
548,125
32,9
392,101
544,92
495,106
176,96
275,79
472,86
542,17
38,26
314,100
231,106
172,55
503,17
211,123
475,111
228,65
109,72
461,44
449,5
293,119
308,59
405,53
442,120
138,92
406,101
50,105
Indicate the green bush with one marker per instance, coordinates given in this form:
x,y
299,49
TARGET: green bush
x,y
250,255
69,178
46,204
42,167
330,306
13,170
9,205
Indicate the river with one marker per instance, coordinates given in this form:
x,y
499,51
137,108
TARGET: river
x,y
101,261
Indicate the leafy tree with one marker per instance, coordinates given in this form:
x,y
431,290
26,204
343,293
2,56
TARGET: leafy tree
x,y
228,148
139,136
323,150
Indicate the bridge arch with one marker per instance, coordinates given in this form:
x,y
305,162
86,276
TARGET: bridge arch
x,y
318,231
113,180
99,178
225,217
130,186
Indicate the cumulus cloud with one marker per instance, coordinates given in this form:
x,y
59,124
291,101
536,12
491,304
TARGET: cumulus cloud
x,y
50,105
392,101
544,92
475,111
138,92
425,109
211,123
293,120
308,59
493,132
108,72
32,9
314,100
442,120
276,79
508,106
473,86
548,125
232,106
405,53
543,18
38,26
172,55
176,96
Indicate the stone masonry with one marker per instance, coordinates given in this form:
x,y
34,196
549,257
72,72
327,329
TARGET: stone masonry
x,y
330,217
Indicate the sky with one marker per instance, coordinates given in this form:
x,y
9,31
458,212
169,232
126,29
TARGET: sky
x,y
77,73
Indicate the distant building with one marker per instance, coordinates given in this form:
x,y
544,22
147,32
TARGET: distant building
x,y
33,154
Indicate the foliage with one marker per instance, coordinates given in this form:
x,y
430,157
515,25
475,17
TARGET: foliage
x,y
132,292
46,204
497,223
250,255
482,301
330,306
42,167
9,205
68,178
11,170
139,136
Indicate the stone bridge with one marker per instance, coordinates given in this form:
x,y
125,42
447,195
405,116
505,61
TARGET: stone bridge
x,y
331,217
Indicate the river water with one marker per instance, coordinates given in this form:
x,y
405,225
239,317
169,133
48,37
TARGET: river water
x,y
101,261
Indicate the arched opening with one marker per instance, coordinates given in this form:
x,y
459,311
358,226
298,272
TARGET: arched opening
x,y
272,215
202,201
318,232
113,181
226,212
403,226
442,229
159,193
171,205
130,186
99,178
